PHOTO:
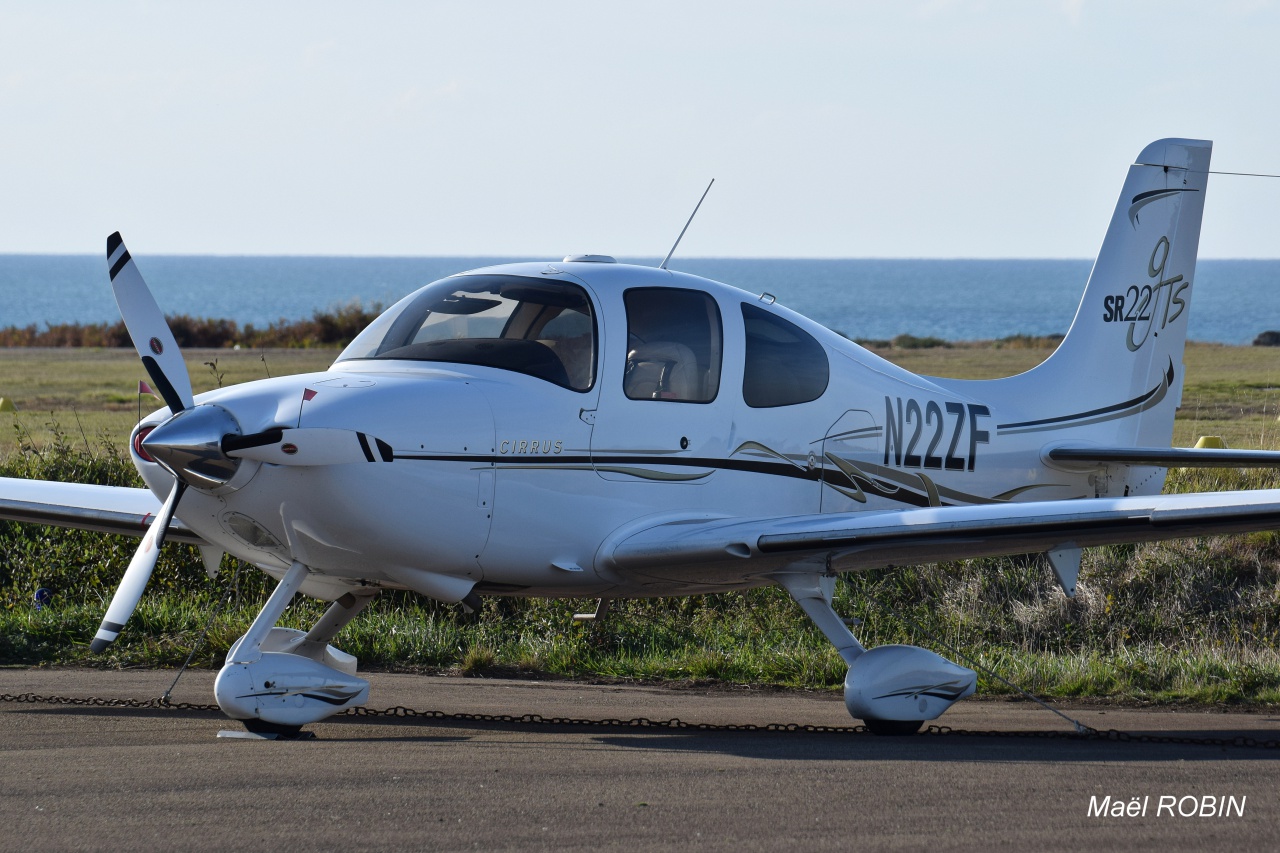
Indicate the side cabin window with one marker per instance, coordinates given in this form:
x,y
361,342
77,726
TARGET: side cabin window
x,y
540,328
674,343
784,365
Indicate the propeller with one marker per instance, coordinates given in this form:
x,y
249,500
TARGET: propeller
x,y
155,344
148,330
201,446
129,593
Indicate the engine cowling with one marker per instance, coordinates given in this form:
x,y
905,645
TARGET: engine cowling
x,y
904,683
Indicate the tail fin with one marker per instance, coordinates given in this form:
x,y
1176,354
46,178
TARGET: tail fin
x,y
1116,379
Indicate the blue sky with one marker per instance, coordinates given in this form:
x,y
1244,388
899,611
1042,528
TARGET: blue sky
x,y
937,128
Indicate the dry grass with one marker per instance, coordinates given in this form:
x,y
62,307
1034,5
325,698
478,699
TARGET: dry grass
x,y
95,389
1233,392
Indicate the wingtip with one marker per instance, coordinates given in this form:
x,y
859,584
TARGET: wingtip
x,y
113,243
99,646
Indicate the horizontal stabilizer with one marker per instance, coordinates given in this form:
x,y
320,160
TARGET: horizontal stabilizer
x,y
1166,457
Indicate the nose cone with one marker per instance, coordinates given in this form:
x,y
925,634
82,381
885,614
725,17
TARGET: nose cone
x,y
189,445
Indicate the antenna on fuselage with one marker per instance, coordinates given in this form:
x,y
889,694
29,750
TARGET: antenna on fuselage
x,y
663,265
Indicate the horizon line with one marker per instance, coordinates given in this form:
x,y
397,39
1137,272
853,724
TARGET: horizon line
x,y
633,259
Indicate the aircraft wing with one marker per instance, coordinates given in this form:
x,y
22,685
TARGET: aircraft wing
x,y
866,540
107,509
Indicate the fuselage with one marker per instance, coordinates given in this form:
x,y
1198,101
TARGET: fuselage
x,y
522,448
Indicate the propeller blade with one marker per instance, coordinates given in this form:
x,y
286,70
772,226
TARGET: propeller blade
x,y
308,446
129,593
148,330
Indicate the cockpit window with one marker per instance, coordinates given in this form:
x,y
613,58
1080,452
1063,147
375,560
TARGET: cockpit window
x,y
544,329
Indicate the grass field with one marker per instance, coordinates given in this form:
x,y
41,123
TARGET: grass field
x,y
1169,622
1232,392
95,389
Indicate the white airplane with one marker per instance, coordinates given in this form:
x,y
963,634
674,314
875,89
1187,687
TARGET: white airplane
x,y
588,428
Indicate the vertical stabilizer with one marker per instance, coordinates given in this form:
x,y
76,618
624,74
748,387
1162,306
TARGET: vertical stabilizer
x,y
1116,379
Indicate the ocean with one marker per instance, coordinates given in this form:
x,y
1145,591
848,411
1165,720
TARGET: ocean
x,y
957,300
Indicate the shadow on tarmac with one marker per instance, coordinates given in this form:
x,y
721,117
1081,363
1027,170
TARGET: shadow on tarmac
x,y
947,746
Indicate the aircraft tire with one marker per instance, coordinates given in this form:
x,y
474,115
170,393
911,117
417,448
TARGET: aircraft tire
x,y
892,728
282,732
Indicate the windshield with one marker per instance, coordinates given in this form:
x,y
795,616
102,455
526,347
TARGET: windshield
x,y
544,329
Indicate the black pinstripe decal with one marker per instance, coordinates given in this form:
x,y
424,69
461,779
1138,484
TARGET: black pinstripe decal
x,y
835,477
1105,410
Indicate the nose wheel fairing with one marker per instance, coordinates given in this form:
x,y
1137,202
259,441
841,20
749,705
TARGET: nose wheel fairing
x,y
286,690
283,678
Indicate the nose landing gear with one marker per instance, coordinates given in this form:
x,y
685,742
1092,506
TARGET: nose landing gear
x,y
277,680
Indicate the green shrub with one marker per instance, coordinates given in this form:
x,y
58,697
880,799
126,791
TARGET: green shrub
x,y
335,327
914,342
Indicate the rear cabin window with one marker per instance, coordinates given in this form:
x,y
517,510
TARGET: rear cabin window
x,y
540,328
784,364
674,341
